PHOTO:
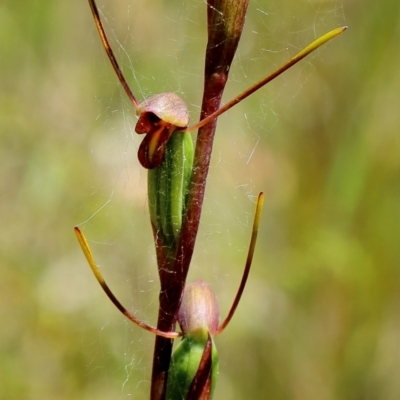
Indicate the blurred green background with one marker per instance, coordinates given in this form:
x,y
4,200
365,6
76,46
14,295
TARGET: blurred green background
x,y
320,318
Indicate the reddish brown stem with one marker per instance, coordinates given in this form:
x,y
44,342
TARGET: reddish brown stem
x,y
225,24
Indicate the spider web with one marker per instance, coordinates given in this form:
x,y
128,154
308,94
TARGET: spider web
x,y
160,47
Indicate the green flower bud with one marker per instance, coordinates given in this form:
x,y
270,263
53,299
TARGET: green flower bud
x,y
194,366
168,187
185,365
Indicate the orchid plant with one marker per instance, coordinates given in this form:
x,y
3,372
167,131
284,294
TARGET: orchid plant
x,y
177,175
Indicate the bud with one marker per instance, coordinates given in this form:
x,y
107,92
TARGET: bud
x,y
186,364
199,308
194,365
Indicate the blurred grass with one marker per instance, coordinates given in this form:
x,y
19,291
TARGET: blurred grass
x,y
320,317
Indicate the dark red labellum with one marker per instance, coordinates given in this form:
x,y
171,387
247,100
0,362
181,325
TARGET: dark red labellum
x,y
152,149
